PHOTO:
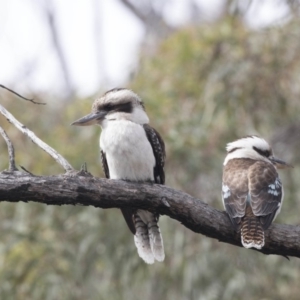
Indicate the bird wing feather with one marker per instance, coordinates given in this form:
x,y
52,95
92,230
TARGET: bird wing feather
x,y
104,164
158,147
266,192
235,189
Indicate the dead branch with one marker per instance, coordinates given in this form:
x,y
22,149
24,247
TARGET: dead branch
x,y
11,151
191,212
58,158
17,94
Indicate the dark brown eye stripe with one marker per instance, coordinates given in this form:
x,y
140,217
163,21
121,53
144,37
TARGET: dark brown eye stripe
x,y
121,107
265,153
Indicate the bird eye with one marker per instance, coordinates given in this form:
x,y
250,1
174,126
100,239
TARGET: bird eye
x,y
106,107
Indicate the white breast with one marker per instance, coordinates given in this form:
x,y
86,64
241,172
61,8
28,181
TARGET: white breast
x,y
128,152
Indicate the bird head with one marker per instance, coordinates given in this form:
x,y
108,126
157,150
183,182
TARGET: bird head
x,y
253,147
116,104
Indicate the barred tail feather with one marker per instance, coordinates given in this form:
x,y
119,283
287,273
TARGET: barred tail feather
x,y
148,239
252,232
142,242
156,241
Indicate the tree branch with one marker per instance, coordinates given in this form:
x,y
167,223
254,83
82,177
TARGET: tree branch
x,y
11,151
59,158
191,212
51,19
22,97
151,18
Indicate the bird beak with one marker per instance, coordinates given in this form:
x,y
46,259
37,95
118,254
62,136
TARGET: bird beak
x,y
91,119
280,164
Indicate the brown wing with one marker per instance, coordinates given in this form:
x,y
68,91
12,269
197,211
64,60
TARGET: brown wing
x,y
158,147
127,212
104,164
266,192
235,189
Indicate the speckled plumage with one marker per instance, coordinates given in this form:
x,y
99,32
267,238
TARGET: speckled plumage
x,y
252,192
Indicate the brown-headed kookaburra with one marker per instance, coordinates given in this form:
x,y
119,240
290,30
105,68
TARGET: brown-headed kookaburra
x,y
131,150
252,192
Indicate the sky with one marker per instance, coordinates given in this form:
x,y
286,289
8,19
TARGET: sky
x,y
100,39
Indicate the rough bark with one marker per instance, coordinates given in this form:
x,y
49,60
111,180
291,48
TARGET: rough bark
x,y
83,189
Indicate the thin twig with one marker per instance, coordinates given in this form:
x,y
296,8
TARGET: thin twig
x,y
23,168
30,100
83,167
11,151
59,159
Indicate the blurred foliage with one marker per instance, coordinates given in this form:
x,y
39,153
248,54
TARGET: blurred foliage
x,y
204,87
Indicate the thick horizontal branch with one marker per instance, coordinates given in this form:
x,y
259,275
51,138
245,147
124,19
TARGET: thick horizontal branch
x,y
191,212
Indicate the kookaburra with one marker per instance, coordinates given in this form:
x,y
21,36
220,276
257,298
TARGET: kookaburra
x,y
252,192
134,151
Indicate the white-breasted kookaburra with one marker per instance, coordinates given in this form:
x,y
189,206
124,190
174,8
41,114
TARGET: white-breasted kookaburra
x,y
131,150
252,192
